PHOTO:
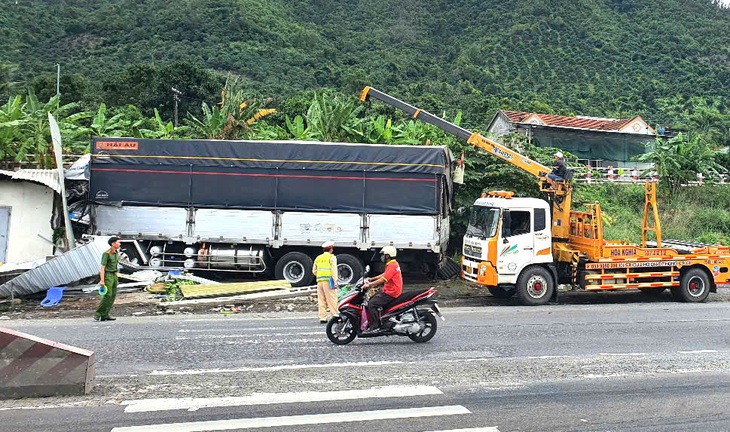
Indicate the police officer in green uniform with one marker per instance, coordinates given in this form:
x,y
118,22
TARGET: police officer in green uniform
x,y
108,278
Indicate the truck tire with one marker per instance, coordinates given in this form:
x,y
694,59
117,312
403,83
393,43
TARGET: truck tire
x,y
501,292
349,269
535,286
694,286
296,268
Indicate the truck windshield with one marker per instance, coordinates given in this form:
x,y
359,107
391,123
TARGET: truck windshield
x,y
483,222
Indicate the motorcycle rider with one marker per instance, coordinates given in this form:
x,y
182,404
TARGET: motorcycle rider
x,y
392,288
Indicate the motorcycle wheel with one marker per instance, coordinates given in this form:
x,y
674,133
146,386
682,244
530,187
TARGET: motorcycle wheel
x,y
341,331
429,329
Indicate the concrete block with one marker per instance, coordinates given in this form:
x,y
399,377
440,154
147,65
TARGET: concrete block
x,y
35,367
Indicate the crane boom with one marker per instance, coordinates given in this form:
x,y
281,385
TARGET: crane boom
x,y
560,198
473,138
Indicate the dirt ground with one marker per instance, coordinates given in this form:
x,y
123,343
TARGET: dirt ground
x,y
136,303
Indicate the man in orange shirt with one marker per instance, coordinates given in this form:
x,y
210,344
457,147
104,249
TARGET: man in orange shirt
x,y
392,289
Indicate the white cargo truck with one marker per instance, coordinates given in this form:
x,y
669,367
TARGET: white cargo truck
x,y
266,206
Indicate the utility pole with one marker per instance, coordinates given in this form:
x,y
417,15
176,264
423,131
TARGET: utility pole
x,y
58,79
176,98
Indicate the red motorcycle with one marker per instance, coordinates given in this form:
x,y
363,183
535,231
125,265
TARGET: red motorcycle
x,y
413,314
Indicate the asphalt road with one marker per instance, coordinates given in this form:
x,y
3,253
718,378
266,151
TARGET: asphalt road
x,y
656,366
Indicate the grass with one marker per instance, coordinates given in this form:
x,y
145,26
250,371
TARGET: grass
x,y
698,213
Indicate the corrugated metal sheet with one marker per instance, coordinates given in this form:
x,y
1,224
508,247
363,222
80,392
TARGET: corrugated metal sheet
x,y
78,263
45,177
577,122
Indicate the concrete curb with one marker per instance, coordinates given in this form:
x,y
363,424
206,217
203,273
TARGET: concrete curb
x,y
35,367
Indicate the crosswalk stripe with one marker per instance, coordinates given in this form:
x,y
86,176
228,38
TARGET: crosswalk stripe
x,y
309,419
193,404
277,368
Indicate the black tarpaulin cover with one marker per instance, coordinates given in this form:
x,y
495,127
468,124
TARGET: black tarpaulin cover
x,y
274,175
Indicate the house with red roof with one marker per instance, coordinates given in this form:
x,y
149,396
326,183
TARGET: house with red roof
x,y
595,140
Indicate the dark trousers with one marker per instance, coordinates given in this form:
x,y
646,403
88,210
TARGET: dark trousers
x,y
105,306
379,300
453,195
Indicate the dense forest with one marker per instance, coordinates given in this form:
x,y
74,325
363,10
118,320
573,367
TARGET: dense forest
x,y
610,58
276,69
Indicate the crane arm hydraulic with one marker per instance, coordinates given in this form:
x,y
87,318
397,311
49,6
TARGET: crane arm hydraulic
x,y
560,198
473,138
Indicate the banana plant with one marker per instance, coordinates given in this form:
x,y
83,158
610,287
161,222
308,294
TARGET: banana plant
x,y
161,129
11,116
26,133
297,129
117,125
332,119
232,118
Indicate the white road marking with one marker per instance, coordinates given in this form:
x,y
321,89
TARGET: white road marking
x,y
249,329
193,404
309,419
479,429
275,368
698,352
542,357
248,335
634,354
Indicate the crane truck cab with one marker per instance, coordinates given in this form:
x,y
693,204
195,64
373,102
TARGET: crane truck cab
x,y
508,247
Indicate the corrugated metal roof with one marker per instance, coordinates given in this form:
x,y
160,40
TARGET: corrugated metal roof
x,y
76,264
578,122
45,177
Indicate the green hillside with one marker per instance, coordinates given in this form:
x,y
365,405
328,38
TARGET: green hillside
x,y
603,58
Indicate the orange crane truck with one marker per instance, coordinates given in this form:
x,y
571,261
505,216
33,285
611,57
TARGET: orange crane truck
x,y
529,246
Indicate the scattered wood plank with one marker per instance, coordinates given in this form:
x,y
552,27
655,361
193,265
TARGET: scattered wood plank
x,y
200,291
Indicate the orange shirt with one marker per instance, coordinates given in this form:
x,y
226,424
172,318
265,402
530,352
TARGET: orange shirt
x,y
393,279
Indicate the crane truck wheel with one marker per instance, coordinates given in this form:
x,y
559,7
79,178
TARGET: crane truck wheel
x,y
296,268
535,286
694,286
501,292
349,269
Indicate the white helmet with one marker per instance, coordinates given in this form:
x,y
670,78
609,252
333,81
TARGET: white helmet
x,y
328,244
389,250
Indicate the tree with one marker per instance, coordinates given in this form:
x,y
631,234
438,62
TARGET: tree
x,y
232,118
8,84
26,133
115,126
678,160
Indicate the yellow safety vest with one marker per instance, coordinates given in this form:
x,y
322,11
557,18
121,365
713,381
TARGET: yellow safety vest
x,y
324,272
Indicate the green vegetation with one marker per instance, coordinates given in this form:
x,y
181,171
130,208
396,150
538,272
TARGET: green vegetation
x,y
602,58
698,213
292,69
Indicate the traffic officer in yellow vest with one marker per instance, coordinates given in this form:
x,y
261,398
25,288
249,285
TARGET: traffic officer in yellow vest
x,y
325,268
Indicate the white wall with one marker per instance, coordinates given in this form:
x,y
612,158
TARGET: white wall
x,y
30,218
500,126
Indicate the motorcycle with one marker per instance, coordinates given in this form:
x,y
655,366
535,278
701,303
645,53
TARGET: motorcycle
x,y
413,314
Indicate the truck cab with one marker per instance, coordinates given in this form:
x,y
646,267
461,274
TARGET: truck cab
x,y
508,247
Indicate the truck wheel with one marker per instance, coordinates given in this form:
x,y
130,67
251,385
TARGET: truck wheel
x,y
501,292
694,287
535,286
296,268
349,269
